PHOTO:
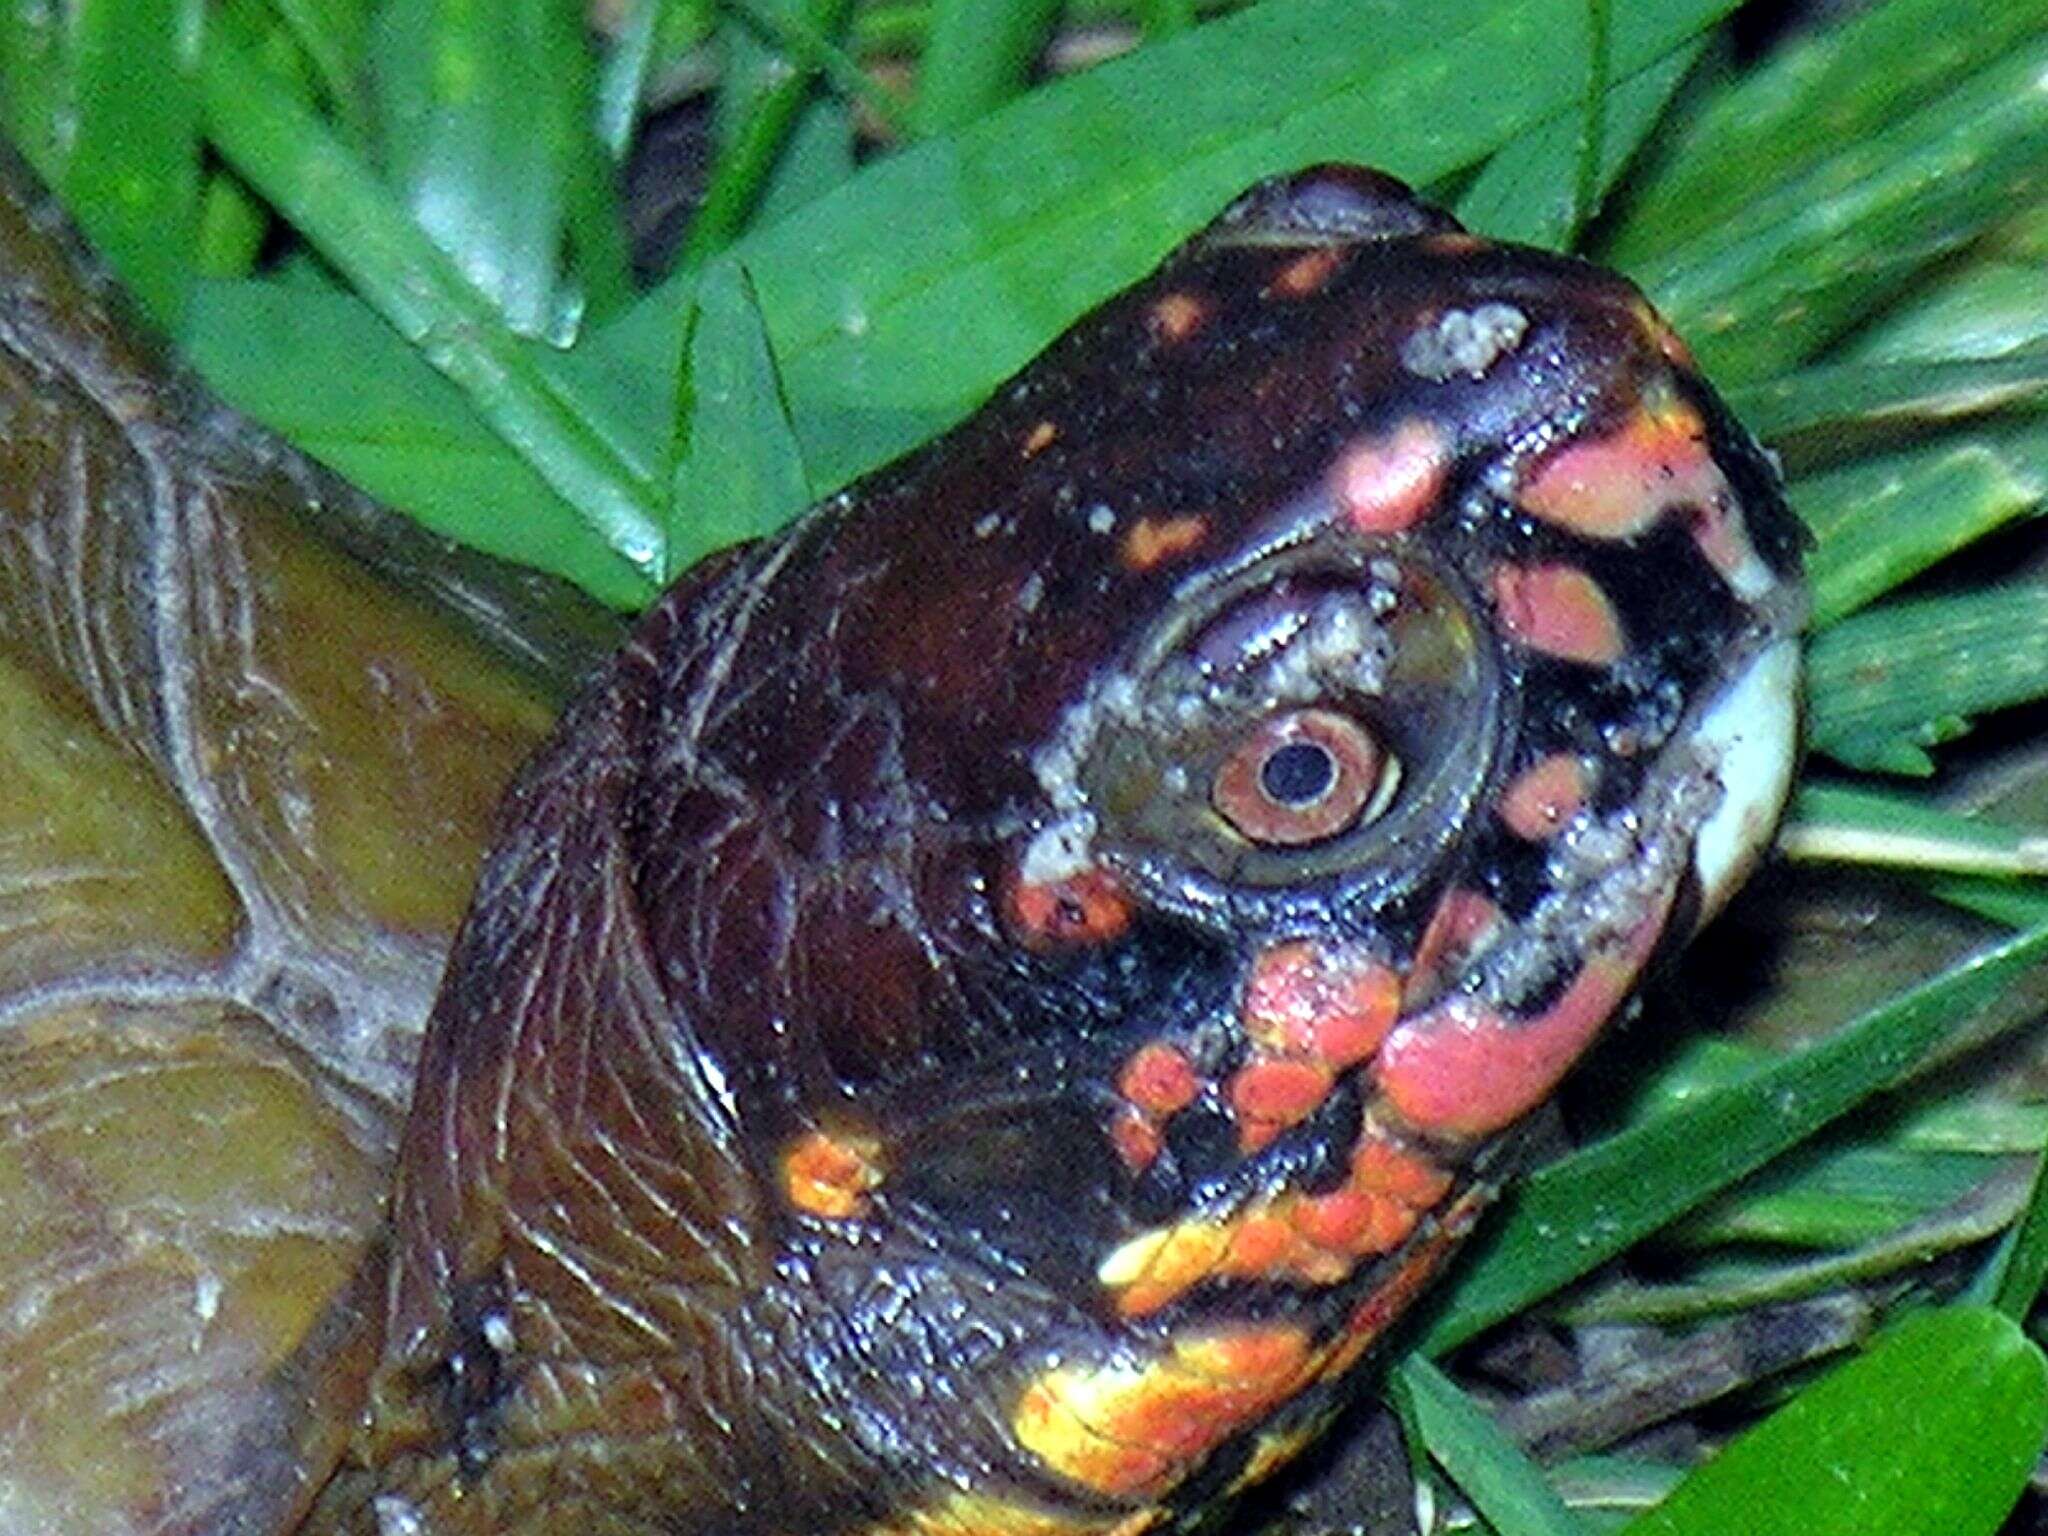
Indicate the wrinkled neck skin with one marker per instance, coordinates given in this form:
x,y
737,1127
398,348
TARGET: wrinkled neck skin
x,y
996,998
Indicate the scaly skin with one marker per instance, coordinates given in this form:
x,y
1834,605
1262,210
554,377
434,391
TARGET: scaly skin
x,y
997,996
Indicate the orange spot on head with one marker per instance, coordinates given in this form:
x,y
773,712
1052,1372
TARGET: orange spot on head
x,y
1616,486
831,1176
1389,483
1136,1139
1307,273
1559,610
1451,242
1161,1266
1465,1069
1040,438
1159,1079
1091,907
1386,1168
1271,1094
1153,541
1332,1004
1135,1429
1544,797
1178,315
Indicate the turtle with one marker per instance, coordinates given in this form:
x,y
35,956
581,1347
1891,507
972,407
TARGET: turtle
x,y
985,1006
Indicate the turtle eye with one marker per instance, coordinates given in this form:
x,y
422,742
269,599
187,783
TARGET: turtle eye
x,y
1303,776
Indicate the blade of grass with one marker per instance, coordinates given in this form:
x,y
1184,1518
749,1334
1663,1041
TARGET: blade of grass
x,y
1582,1210
1025,219
1527,191
978,55
334,38
38,84
1833,396
2012,1280
132,171
484,110
1887,684
1963,1387
1848,824
1805,259
759,108
331,197
1836,89
1504,1485
739,468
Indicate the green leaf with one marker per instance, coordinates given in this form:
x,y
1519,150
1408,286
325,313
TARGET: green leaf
x,y
485,112
1850,824
1886,684
132,170
1528,192
1931,1432
2013,1279
1802,260
739,470
1585,1208
1991,308
1884,520
977,56
1838,88
1024,220
1824,400
589,455
1505,1486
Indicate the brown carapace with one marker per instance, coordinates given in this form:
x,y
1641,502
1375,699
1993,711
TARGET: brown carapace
x,y
996,996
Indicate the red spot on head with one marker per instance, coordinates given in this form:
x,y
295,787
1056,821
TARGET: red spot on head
x,y
1545,797
1159,1079
1616,486
1090,907
1559,610
1334,1005
1387,484
1178,315
830,1176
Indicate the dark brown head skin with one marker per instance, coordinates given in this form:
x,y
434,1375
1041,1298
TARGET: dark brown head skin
x,y
996,997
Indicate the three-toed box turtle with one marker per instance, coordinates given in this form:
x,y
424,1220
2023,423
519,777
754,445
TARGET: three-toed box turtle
x,y
981,1011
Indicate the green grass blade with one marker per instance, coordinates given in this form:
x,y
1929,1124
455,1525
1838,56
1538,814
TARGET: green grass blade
x,y
1843,823
333,200
1887,684
1886,519
484,114
740,468
898,302
1528,191
1803,260
1505,1486
1582,1210
334,37
1839,88
1931,1432
2018,1269
1834,397
977,56
132,169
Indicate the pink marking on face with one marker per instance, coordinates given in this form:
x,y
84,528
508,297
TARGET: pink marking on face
x,y
1465,1069
1387,484
1335,1005
1545,796
1559,610
1616,486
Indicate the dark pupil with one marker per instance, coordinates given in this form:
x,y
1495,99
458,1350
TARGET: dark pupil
x,y
1300,773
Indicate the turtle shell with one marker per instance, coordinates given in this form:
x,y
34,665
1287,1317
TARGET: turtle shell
x,y
981,1012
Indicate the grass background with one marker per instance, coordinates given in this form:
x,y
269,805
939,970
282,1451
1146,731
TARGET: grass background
x,y
393,230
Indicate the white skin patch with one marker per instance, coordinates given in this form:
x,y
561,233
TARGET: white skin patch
x,y
1749,738
1467,341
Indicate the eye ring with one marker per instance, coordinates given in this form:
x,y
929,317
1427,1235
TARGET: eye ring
x,y
1303,777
